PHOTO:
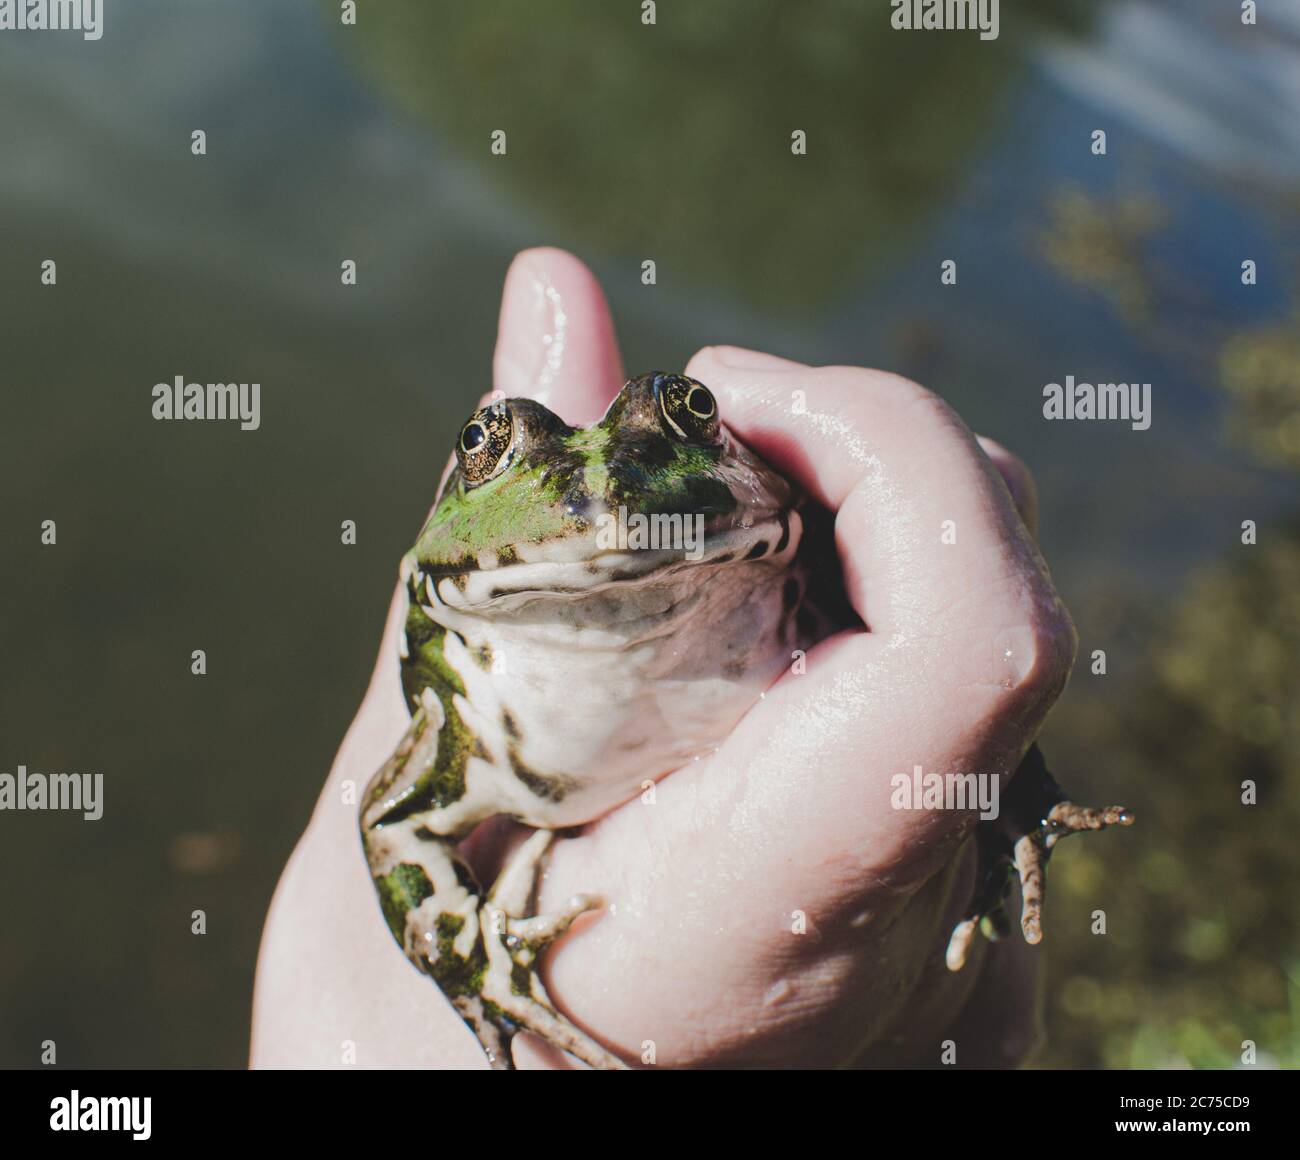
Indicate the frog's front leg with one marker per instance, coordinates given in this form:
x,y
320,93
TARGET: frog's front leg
x,y
482,954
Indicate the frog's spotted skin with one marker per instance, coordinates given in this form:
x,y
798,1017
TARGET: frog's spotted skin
x,y
550,672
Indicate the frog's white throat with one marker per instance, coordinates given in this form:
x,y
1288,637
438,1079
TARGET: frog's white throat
x,y
613,669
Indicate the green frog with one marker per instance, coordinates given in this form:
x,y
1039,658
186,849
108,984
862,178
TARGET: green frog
x,y
651,564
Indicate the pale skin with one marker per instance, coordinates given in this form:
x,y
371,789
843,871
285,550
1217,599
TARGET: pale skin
x,y
788,826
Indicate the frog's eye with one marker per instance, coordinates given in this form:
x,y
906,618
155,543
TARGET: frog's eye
x,y
486,444
688,407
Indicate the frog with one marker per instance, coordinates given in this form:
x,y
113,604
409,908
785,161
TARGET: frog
x,y
650,563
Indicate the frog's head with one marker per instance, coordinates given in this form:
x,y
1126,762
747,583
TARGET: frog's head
x,y
659,472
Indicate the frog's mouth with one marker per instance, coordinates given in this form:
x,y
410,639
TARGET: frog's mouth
x,y
625,548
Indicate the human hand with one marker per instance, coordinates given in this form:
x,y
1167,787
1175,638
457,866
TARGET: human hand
x,y
968,647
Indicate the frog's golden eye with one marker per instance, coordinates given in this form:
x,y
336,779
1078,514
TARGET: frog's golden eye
x,y
486,444
688,407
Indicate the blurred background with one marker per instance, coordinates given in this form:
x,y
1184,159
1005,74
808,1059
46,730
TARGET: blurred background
x,y
628,143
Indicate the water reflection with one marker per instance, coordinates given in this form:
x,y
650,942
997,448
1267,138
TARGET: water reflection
x,y
674,141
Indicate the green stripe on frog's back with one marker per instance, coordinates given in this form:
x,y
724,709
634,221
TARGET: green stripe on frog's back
x,y
639,468
587,446
646,475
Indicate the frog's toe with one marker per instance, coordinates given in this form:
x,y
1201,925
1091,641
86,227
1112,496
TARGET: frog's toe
x,y
517,882
528,937
993,871
512,985
1068,818
1032,853
1035,848
959,943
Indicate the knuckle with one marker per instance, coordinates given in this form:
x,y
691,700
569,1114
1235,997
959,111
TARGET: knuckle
x,y
889,388
1009,637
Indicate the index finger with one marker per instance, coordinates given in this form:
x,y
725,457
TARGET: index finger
x,y
929,539
555,339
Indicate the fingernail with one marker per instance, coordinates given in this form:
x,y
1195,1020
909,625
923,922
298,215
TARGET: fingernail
x,y
741,359
532,330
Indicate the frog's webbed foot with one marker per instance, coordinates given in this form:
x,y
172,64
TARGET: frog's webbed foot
x,y
514,946
1035,816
